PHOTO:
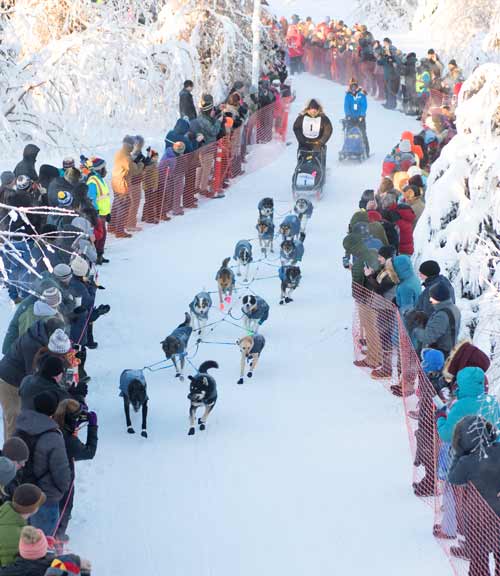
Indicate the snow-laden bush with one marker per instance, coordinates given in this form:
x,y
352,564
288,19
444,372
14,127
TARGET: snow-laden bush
x,y
460,226
77,72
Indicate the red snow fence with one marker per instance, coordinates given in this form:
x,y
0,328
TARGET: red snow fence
x,y
174,183
465,526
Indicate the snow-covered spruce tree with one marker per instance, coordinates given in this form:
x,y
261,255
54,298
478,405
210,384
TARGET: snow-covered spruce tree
x,y
78,71
467,30
386,14
460,226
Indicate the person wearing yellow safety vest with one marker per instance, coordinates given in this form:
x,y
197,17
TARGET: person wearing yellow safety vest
x,y
101,199
422,85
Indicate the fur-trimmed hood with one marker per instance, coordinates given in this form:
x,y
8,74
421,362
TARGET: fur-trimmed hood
x,y
464,355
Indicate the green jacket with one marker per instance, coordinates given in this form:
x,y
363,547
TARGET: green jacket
x,y
11,524
376,229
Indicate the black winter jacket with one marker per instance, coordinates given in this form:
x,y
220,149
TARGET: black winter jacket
x,y
18,362
325,131
22,567
50,462
34,384
27,165
77,450
423,302
186,105
477,460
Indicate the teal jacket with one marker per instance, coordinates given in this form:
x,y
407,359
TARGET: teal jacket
x,y
471,400
409,288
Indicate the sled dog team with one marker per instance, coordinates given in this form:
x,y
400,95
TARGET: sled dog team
x,y
255,310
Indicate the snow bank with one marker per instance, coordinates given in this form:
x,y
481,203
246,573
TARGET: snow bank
x,y
461,224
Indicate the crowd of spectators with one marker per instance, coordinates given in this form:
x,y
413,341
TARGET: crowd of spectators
x,y
408,325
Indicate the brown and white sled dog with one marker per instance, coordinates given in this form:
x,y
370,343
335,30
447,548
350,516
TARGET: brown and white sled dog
x,y
202,393
225,281
250,348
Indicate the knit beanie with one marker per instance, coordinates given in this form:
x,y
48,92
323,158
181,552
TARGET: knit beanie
x,y
62,272
179,147
206,102
7,178
59,343
45,403
386,252
432,360
429,268
33,544
414,171
128,140
79,266
82,224
8,471
68,163
52,297
27,498
16,449
98,163
440,292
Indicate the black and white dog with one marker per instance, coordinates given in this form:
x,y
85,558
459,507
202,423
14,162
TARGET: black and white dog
x,y
200,308
133,390
266,208
175,346
243,255
303,209
292,251
256,312
265,229
202,393
290,277
290,227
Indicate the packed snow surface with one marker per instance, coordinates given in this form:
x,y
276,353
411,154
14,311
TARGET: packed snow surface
x,y
305,468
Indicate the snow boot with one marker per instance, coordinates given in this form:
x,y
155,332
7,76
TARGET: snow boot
x,y
91,343
365,364
191,431
425,488
397,390
460,551
383,373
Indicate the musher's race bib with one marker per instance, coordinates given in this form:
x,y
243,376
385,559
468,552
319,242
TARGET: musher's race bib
x,y
311,127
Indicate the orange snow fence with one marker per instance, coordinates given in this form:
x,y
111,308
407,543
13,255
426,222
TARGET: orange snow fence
x,y
465,526
169,186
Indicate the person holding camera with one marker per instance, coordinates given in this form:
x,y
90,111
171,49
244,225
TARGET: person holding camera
x,y
389,60
70,416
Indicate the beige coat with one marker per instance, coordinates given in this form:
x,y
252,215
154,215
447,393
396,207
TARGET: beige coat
x,y
124,168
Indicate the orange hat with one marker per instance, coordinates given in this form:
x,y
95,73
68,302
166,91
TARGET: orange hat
x,y
407,136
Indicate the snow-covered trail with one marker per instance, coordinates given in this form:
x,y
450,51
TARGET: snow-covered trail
x,y
303,470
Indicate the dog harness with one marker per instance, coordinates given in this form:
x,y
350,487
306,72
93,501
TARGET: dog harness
x,y
127,376
258,344
296,254
261,311
243,245
293,223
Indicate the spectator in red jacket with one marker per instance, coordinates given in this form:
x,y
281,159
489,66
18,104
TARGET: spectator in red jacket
x,y
403,222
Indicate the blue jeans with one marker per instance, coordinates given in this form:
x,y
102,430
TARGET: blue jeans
x,y
46,518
